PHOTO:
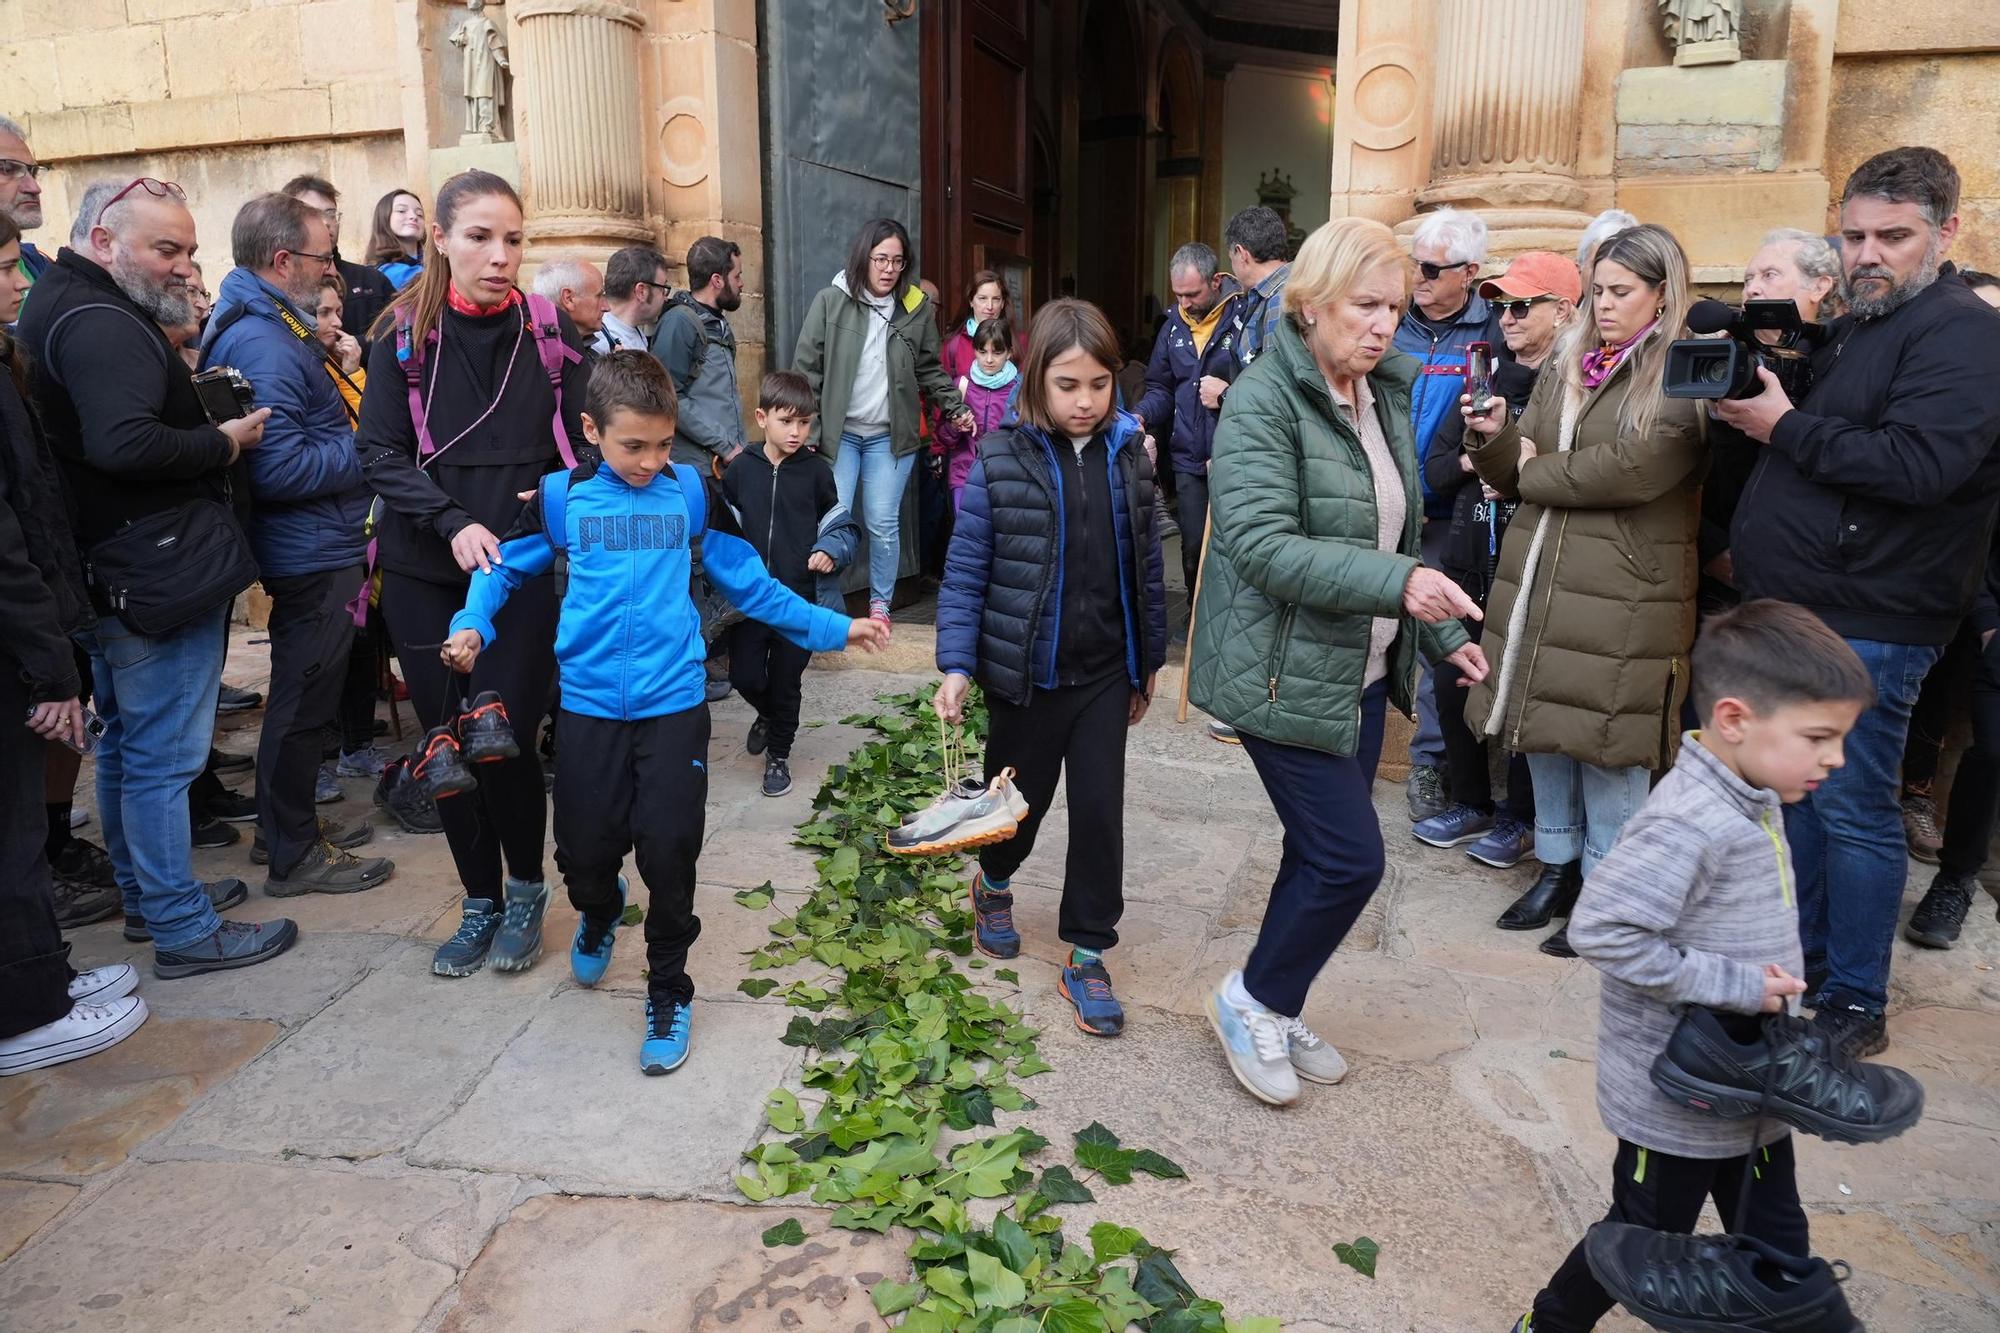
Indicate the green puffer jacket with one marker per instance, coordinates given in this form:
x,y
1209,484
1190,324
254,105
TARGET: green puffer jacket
x,y
1293,576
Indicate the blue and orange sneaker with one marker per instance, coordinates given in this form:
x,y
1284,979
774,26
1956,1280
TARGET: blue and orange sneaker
x,y
1087,987
669,1030
993,920
590,951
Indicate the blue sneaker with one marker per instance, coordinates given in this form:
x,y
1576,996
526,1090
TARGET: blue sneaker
x,y
465,952
1087,987
518,942
993,920
590,951
665,1048
1506,846
1458,825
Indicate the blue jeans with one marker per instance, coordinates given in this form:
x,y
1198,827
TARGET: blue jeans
x,y
1580,809
156,694
1847,837
873,463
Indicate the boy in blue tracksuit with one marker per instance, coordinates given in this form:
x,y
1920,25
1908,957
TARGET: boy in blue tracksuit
x,y
634,717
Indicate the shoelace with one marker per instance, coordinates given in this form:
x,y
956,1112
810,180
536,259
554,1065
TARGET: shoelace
x,y
517,914
472,927
676,1017
1509,828
1094,988
591,937
1923,813
1267,1034
995,918
1296,1030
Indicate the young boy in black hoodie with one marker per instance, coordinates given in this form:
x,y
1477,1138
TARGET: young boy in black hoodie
x,y
785,502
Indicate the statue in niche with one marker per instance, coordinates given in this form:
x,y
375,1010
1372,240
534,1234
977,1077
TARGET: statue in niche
x,y
485,64
1703,32
1276,193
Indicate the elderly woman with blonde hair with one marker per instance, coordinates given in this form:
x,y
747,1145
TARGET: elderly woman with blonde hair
x,y
1314,607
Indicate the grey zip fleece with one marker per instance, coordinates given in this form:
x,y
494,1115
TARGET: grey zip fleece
x,y
1692,902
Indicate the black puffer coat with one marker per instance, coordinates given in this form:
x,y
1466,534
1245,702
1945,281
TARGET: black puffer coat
x,y
42,598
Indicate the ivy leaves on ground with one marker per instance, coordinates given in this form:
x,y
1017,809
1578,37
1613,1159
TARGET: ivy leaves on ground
x,y
903,1047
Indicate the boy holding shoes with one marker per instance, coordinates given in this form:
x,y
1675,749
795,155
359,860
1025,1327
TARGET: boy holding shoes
x,y
634,719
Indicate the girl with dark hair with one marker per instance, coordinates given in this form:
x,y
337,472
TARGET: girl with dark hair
x,y
990,388
868,347
458,418
1052,599
396,243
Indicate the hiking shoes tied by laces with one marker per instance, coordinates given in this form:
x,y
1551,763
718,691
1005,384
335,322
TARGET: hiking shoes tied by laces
x,y
1709,1284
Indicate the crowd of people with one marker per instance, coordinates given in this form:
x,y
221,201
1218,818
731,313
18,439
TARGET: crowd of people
x,y
1395,482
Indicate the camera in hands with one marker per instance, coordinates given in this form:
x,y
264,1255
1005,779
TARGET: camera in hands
x,y
1726,367
225,394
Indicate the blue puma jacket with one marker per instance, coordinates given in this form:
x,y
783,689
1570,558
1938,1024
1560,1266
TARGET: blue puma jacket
x,y
629,641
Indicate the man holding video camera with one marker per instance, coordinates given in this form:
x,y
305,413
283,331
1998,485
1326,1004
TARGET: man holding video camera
x,y
149,476
1872,505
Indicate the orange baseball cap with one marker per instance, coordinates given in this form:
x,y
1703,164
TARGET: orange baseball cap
x,y
1537,273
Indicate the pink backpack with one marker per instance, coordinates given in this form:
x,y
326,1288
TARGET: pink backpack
x,y
549,345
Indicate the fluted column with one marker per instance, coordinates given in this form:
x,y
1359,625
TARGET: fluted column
x,y
583,151
1506,103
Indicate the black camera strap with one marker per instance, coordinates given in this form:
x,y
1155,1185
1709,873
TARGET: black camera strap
x,y
311,339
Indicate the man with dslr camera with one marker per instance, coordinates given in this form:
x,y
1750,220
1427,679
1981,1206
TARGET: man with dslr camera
x,y
1872,505
149,475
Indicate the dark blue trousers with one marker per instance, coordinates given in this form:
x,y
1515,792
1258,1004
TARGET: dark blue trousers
x,y
1332,861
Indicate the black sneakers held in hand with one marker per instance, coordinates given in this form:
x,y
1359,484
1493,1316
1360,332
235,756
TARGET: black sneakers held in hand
x,y
1792,1073
1716,1284
484,733
480,734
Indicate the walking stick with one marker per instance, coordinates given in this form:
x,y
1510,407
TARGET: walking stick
x,y
1194,597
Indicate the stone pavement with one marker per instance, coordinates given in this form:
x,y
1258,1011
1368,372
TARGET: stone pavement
x,y
340,1141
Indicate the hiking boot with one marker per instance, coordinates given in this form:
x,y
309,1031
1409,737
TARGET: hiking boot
x,y
669,1032
366,763
231,807
439,766
1851,1025
326,787
344,836
85,1030
465,952
1558,945
86,904
1222,731
1311,1056
715,689
955,824
485,735
1716,1284
234,944
1425,792
327,869
84,865
1793,1073
1087,987
229,699
759,737
223,894
965,789
1941,915
993,932
590,951
518,942
404,799
1256,1042
1506,846
1920,827
1454,828
777,775
213,833
227,761
1552,894
102,985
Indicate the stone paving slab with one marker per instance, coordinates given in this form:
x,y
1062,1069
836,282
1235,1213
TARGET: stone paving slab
x,y
25,1205
688,1267
185,1246
301,982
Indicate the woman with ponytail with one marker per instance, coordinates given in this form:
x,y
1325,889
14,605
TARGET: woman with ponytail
x,y
460,416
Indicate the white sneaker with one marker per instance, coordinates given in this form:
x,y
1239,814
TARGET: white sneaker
x,y
85,1030
1255,1040
102,985
1313,1058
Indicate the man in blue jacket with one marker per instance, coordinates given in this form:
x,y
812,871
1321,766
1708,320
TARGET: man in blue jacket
x,y
1446,316
310,506
1193,361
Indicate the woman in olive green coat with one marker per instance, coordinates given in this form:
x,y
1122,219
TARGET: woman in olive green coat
x,y
1314,605
1592,612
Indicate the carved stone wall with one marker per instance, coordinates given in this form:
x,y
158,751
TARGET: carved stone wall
x,y
582,143
1506,81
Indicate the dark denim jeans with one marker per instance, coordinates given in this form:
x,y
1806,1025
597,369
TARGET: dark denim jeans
x,y
1847,837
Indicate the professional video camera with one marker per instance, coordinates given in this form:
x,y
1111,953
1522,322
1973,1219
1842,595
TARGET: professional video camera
x,y
1727,367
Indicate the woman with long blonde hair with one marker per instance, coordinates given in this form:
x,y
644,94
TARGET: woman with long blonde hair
x,y
1593,607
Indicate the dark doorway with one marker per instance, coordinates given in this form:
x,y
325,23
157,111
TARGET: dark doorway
x,y
1112,165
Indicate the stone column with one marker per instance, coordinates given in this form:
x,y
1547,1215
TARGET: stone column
x,y
583,152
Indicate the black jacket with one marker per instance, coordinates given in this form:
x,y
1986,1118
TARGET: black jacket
x,y
367,295
779,508
498,454
1874,501
42,599
116,402
1472,545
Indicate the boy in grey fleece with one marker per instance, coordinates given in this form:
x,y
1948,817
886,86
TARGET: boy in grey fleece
x,y
1694,905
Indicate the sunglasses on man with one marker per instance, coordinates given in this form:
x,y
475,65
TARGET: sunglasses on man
x,y
157,188
1432,272
1519,307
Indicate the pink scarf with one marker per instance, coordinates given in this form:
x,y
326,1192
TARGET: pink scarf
x,y
1600,362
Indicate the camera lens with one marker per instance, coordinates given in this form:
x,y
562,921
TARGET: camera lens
x,y
1714,371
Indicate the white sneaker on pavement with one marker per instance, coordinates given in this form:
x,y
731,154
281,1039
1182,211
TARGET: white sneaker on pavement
x,y
1312,1057
85,1030
102,985
1256,1042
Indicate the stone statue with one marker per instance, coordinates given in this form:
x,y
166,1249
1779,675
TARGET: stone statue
x,y
1703,32
485,46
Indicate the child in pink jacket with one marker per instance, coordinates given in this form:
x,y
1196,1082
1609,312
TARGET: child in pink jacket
x,y
988,390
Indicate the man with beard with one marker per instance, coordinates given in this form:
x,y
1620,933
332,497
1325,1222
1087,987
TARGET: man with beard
x,y
21,192
365,292
126,424
1872,505
698,348
311,508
